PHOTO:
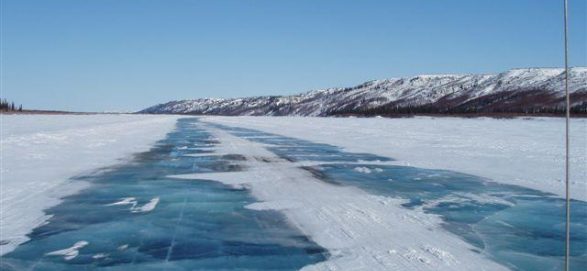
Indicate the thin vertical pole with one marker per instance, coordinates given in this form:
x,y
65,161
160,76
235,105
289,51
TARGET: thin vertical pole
x,y
568,116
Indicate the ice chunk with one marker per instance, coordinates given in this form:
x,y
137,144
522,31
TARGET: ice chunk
x,y
69,253
147,207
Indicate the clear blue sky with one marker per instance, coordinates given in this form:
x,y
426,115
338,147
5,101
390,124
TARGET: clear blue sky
x,y
126,55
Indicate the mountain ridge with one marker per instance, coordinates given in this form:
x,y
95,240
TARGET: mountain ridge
x,y
523,90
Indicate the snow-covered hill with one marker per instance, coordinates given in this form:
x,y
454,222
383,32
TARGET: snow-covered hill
x,y
512,91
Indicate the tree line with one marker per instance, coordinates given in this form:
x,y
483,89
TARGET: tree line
x,y
5,105
458,110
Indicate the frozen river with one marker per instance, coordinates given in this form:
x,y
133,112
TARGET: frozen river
x,y
137,216
134,217
518,227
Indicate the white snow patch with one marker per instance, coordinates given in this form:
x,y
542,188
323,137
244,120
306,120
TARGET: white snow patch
x,y
123,247
147,207
100,256
274,205
125,201
415,255
445,256
69,253
150,206
365,170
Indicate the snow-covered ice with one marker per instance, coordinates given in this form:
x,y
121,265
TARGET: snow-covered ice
x,y
527,152
40,153
150,206
283,172
69,253
200,225
360,231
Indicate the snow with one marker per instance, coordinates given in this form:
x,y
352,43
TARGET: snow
x,y
100,256
69,253
365,170
277,205
41,153
150,206
125,201
525,152
360,231
415,90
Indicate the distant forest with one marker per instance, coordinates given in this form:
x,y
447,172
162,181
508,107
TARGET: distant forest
x,y
7,106
532,102
459,110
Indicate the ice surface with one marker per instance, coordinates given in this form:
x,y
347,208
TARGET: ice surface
x,y
525,152
69,253
358,229
41,153
182,225
500,220
370,211
150,206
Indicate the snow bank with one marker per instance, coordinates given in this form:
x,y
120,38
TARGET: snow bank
x,y
360,231
525,152
41,152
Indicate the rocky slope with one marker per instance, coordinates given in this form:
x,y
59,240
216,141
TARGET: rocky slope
x,y
534,90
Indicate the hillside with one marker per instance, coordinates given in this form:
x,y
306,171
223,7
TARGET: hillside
x,y
533,90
